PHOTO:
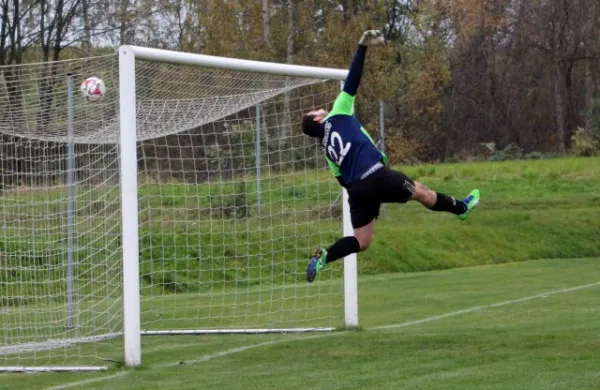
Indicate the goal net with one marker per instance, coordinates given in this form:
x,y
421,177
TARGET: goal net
x,y
186,201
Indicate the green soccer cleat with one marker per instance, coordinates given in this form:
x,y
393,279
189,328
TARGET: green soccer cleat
x,y
470,202
316,264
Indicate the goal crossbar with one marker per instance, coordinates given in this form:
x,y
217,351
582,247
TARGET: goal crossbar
x,y
171,57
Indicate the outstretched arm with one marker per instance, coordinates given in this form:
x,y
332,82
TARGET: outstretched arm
x,y
369,38
345,102
356,71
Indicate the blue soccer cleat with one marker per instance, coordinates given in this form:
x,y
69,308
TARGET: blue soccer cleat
x,y
316,264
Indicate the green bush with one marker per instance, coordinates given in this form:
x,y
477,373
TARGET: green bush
x,y
539,156
511,152
583,143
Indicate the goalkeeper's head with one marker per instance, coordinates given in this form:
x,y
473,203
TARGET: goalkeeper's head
x,y
312,123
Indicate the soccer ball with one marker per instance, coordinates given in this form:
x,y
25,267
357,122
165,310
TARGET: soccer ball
x,y
93,89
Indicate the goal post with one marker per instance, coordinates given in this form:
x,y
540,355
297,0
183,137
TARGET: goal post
x,y
129,208
128,151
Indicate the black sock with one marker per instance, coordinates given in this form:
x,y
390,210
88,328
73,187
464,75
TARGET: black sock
x,y
449,204
342,248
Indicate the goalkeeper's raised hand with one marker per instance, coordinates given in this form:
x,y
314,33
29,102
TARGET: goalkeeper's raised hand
x,y
371,38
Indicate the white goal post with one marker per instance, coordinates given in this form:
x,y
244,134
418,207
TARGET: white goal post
x,y
186,201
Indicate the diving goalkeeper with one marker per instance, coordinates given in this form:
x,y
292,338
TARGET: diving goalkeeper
x,y
362,169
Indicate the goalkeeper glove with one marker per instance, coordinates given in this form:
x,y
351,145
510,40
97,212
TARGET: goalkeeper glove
x,y
371,38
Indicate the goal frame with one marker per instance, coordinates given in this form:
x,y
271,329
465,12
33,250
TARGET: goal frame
x,y
129,187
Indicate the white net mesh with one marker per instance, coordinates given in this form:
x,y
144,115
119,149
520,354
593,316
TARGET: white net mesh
x,y
232,200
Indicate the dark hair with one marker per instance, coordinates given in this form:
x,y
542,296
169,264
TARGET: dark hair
x,y
310,127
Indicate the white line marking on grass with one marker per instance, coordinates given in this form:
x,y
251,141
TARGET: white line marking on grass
x,y
89,381
233,351
215,355
483,307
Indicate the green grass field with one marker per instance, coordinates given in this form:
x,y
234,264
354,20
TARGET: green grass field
x,y
529,210
507,326
422,266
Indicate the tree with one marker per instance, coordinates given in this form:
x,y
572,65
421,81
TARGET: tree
x,y
559,30
17,35
292,15
266,23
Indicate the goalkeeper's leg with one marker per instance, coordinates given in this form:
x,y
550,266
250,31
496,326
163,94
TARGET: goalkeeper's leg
x,y
364,210
437,201
396,187
343,247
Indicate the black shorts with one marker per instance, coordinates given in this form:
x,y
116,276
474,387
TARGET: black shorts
x,y
383,186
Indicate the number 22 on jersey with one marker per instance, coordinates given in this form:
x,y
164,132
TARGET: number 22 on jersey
x,y
337,150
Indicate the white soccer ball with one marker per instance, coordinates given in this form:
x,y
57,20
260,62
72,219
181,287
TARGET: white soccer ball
x,y
93,89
